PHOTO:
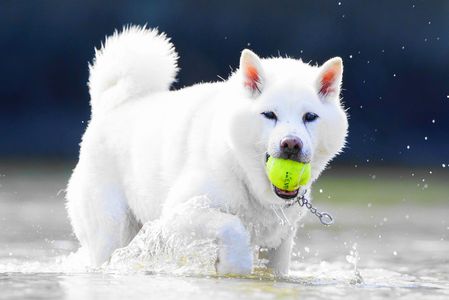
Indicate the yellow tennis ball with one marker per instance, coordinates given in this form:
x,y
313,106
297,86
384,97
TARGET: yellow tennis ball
x,y
287,175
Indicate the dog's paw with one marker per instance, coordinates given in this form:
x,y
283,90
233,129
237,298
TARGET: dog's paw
x,y
234,251
234,262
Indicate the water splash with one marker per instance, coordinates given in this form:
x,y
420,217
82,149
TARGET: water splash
x,y
76,262
154,252
280,215
353,258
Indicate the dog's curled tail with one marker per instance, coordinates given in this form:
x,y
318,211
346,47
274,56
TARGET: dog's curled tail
x,y
133,63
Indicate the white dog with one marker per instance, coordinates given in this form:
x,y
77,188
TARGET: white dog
x,y
149,152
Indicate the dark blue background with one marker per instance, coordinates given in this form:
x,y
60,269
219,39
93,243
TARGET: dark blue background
x,y
396,56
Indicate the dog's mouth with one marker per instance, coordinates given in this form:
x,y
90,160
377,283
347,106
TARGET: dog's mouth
x,y
287,195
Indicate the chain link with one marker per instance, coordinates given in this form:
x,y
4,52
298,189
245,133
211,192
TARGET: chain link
x,y
324,217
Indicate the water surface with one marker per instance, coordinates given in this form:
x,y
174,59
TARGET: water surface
x,y
373,250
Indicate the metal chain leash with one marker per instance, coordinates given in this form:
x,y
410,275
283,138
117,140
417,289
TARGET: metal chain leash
x,y
324,217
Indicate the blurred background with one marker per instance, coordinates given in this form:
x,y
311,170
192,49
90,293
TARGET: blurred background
x,y
396,78
389,189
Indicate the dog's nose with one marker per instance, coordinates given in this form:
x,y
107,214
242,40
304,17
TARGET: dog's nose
x,y
291,145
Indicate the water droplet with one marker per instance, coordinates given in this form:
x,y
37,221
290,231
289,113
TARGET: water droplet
x,y
350,56
339,3
321,191
443,165
433,121
425,138
395,253
403,47
408,147
394,75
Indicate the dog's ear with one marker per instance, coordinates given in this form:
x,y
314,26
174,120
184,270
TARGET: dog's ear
x,y
252,72
329,79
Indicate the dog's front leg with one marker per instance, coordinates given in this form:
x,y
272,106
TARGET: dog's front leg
x,y
196,218
279,258
235,254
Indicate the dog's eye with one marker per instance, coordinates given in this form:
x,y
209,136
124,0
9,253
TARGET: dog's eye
x,y
270,115
309,117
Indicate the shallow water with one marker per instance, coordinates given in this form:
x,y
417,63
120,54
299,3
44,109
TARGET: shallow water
x,y
399,251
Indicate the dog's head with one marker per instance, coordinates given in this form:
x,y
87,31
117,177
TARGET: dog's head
x,y
288,109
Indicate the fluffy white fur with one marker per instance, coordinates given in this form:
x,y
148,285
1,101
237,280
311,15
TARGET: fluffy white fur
x,y
131,64
149,153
